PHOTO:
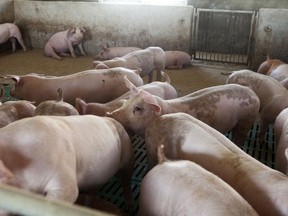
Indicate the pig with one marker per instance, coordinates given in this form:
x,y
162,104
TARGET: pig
x,y
272,94
65,154
91,85
182,187
108,52
177,60
210,105
274,68
147,60
63,42
281,131
163,90
11,111
55,107
187,138
10,31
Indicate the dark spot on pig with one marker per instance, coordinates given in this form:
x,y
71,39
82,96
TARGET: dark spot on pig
x,y
103,81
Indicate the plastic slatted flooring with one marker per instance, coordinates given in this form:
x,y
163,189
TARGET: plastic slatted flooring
x,y
112,191
264,153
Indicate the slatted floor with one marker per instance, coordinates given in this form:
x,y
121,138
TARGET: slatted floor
x,y
112,191
264,153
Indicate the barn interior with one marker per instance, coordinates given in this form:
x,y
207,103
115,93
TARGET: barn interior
x,y
221,36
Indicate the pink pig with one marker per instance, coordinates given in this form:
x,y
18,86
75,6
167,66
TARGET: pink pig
x,y
111,52
187,138
177,59
91,85
56,107
147,60
62,42
274,68
281,131
163,90
65,154
12,32
210,105
183,187
272,94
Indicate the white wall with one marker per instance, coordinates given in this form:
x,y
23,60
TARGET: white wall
x,y
6,11
120,25
271,35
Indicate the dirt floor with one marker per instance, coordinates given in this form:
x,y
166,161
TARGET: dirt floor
x,y
185,81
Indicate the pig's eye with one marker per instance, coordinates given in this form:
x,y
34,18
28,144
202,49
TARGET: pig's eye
x,y
137,109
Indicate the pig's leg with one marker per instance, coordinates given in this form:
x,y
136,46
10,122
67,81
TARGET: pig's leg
x,y
126,175
158,75
240,131
71,49
20,40
63,187
80,46
264,123
13,41
150,77
50,52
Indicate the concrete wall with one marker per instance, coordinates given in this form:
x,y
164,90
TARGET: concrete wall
x,y
249,5
119,25
6,11
271,36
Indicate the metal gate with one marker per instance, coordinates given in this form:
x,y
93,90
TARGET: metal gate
x,y
223,35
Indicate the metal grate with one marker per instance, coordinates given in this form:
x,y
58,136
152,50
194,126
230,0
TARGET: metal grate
x,y
223,35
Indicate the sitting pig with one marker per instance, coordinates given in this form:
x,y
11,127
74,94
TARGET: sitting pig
x,y
111,52
57,156
274,68
163,90
185,188
187,138
177,59
62,42
10,31
272,94
147,60
281,131
55,107
210,105
91,85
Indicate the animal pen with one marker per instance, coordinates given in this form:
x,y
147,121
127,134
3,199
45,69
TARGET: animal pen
x,y
232,37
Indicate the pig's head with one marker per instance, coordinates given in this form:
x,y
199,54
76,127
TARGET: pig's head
x,y
104,53
137,112
240,77
75,34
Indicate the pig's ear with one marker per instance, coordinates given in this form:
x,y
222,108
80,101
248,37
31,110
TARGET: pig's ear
x,y
15,78
138,70
286,154
71,31
133,89
149,99
82,29
80,106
